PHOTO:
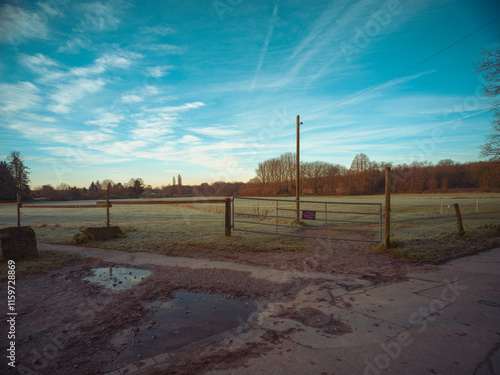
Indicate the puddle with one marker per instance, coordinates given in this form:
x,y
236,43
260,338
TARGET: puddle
x,y
187,318
117,278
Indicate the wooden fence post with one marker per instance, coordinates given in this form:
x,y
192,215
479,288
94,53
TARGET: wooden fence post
x,y
228,217
459,220
18,210
107,206
387,224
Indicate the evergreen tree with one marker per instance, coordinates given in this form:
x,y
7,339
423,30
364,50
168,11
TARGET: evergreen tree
x,y
7,183
20,173
138,187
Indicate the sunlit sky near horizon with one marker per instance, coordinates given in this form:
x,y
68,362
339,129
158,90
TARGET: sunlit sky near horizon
x,y
207,89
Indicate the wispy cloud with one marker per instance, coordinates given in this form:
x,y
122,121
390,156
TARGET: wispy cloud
x,y
73,45
152,124
158,71
152,129
131,98
17,24
18,97
48,134
117,60
217,131
177,109
38,63
51,71
190,139
99,17
163,48
49,9
160,30
106,120
67,94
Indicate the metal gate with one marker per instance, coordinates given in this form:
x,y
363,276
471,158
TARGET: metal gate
x,y
318,219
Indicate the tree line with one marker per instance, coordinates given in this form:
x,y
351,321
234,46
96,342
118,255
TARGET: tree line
x,y
134,188
277,176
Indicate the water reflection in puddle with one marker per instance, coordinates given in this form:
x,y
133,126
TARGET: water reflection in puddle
x,y
187,318
117,278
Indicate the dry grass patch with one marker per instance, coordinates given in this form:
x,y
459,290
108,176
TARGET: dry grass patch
x,y
445,246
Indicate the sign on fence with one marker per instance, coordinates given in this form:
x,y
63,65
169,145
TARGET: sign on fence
x,y
309,215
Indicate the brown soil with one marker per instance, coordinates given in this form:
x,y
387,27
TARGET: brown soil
x,y
64,324
354,258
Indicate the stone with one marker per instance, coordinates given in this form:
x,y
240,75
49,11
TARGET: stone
x,y
102,233
17,243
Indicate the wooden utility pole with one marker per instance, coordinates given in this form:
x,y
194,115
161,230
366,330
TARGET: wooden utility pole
x,y
297,184
107,206
18,210
461,230
228,218
387,224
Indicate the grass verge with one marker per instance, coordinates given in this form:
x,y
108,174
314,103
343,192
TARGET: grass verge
x,y
445,246
44,262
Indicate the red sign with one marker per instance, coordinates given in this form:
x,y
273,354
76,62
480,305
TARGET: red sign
x,y
309,215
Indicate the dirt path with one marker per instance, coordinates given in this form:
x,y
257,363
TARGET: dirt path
x,y
67,325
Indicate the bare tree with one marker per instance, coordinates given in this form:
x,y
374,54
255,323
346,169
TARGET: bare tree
x,y
289,161
261,172
490,69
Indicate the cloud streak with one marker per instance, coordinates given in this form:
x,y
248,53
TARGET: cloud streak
x,y
18,97
265,46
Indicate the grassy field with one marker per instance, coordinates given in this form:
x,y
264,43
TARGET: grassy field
x,y
173,229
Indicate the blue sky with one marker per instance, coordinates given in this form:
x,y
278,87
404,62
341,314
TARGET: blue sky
x,y
207,89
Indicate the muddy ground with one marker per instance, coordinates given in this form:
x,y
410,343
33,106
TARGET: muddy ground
x,y
65,325
358,259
